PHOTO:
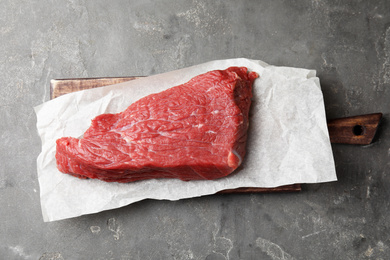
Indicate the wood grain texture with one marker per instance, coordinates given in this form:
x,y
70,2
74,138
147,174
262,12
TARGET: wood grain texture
x,y
354,130
59,87
286,188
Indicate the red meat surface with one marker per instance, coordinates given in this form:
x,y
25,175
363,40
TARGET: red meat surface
x,y
194,131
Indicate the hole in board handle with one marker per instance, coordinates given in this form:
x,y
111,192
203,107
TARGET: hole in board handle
x,y
358,130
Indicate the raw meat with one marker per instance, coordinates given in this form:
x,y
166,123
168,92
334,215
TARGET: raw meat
x,y
197,130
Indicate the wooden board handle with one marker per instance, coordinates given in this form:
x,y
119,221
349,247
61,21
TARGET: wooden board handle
x,y
354,130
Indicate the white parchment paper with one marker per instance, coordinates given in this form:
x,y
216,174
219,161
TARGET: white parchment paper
x,y
288,139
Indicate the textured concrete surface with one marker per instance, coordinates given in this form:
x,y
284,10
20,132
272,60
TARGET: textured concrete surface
x,y
347,42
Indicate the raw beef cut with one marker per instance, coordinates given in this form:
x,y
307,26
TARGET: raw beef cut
x,y
194,131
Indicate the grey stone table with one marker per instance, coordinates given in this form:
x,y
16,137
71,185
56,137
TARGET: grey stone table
x,y
347,42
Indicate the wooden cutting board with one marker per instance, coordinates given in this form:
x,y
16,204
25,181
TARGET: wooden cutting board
x,y
350,130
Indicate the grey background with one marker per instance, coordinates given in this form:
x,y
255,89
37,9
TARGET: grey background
x,y
347,42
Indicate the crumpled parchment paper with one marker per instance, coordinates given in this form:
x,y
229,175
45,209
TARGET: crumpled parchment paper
x,y
288,139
